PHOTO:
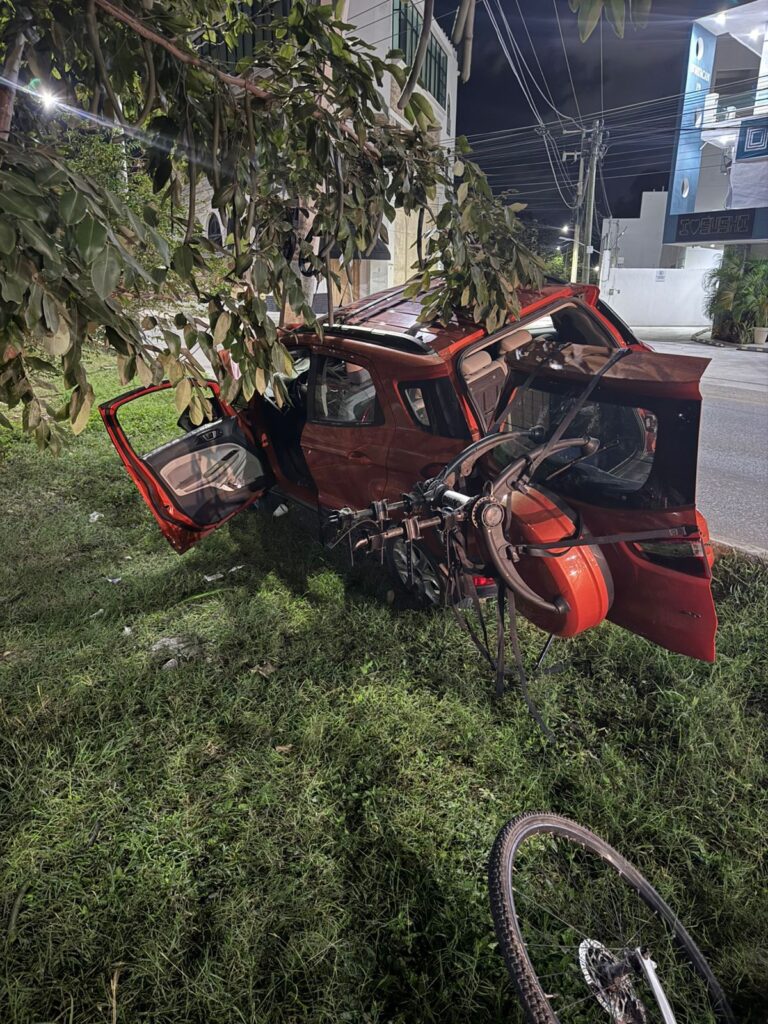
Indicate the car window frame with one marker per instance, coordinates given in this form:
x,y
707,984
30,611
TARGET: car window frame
x,y
489,340
378,417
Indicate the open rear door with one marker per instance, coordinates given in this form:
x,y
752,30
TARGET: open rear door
x,y
195,482
641,480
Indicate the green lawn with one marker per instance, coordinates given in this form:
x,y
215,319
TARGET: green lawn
x,y
294,826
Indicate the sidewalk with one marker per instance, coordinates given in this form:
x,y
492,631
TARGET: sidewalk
x,y
700,335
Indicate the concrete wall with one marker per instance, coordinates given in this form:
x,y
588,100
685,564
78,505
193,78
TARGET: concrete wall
x,y
637,241
657,298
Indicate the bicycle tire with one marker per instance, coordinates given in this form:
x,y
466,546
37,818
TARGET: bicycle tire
x,y
535,1003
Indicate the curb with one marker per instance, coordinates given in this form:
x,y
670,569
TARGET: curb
x,y
721,548
729,345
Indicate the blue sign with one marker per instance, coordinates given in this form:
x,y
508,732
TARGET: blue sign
x,y
698,80
753,139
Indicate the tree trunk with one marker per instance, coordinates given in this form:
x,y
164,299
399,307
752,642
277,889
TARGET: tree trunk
x,y
8,89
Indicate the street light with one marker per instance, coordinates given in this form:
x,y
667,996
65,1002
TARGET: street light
x,y
566,228
48,99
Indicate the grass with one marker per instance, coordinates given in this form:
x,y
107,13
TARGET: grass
x,y
294,826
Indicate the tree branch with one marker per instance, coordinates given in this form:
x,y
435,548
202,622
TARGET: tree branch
x,y
181,55
421,53
150,94
192,176
101,67
11,77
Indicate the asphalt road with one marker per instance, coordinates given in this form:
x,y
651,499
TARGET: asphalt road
x,y
733,449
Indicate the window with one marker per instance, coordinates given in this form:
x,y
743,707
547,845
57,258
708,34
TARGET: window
x,y
406,30
261,14
214,229
433,406
343,393
630,468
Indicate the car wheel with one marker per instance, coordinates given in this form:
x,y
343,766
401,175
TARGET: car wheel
x,y
426,581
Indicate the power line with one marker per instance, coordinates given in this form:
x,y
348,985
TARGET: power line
x,y
668,100
521,58
526,92
567,61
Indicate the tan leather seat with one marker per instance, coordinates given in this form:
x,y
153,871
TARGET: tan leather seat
x,y
485,378
514,341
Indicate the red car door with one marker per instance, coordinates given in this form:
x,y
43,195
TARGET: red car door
x,y
197,481
641,480
346,438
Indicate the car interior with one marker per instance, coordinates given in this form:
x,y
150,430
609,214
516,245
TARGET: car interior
x,y
623,463
485,370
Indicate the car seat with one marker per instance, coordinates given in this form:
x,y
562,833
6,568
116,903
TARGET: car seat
x,y
484,378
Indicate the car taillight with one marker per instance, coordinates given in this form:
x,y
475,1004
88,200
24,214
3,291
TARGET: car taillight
x,y
689,556
672,548
483,581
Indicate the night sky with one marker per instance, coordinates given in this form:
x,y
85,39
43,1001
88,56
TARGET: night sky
x,y
647,64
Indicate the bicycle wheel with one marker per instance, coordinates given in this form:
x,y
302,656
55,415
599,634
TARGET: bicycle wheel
x,y
578,926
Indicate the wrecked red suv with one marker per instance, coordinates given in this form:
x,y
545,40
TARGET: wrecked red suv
x,y
596,518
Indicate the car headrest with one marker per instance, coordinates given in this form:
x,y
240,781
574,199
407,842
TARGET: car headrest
x,y
513,341
475,364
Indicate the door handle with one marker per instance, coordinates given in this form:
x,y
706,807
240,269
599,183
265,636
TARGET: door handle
x,y
359,456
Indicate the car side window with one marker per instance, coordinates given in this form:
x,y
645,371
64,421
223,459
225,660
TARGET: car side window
x,y
343,393
433,407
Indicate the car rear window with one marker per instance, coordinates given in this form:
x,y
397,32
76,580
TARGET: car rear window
x,y
646,458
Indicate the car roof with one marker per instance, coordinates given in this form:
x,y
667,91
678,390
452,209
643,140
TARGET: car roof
x,y
391,320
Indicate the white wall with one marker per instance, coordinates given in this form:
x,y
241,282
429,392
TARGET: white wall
x,y
637,241
657,298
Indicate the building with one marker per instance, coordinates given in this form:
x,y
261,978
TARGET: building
x,y
650,283
396,24
719,184
653,268
391,24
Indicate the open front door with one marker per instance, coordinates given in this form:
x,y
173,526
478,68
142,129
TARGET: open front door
x,y
641,479
195,482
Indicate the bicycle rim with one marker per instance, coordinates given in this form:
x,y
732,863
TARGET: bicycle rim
x,y
570,913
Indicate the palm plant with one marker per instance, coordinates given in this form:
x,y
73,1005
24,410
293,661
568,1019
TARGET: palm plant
x,y
737,296
751,302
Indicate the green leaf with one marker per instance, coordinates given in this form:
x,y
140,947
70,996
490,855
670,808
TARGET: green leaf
x,y
20,206
183,394
71,208
12,286
80,408
105,273
50,312
7,238
589,15
183,261
617,15
640,10
60,342
90,238
221,329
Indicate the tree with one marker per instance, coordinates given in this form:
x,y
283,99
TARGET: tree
x,y
616,11
300,124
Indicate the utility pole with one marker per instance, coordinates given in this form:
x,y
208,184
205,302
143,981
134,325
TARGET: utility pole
x,y
578,211
595,152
